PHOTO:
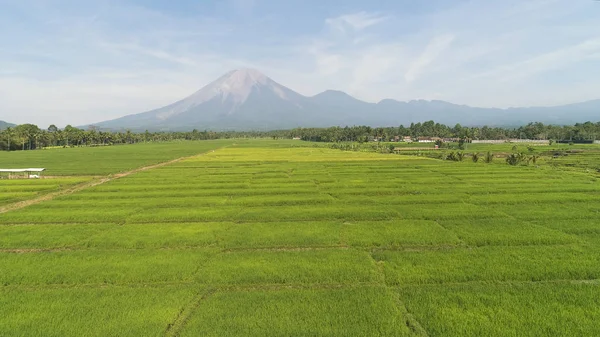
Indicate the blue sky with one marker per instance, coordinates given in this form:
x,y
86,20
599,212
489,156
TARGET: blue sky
x,y
71,61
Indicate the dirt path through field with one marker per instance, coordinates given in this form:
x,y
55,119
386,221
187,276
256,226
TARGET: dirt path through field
x,y
96,182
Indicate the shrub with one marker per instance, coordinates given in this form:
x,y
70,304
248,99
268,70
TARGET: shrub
x,y
489,157
534,159
516,158
475,157
513,159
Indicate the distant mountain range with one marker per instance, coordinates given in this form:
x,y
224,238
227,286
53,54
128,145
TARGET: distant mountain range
x,y
248,100
4,125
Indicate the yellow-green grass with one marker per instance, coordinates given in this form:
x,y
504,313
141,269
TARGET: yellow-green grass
x,y
38,236
14,190
574,226
505,231
160,235
556,211
397,233
290,155
71,267
42,214
282,235
364,311
518,263
592,239
313,266
91,311
105,159
506,309
270,238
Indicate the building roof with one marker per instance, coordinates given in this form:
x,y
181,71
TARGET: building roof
x,y
23,170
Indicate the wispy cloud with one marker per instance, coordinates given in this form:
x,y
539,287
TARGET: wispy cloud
x,y
152,52
356,22
555,59
435,47
90,61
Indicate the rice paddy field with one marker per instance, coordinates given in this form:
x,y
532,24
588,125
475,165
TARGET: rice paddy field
x,y
69,167
23,189
104,160
275,238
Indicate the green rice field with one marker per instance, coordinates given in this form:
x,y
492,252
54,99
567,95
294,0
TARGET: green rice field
x,y
282,238
104,160
14,190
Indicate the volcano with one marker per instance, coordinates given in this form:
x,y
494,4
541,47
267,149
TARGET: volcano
x,y
246,99
240,99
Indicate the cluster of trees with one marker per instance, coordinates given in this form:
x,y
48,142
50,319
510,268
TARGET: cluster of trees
x,y
577,132
29,136
514,159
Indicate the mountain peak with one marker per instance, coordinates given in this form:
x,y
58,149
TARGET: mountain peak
x,y
231,91
235,86
333,93
237,83
246,76
336,98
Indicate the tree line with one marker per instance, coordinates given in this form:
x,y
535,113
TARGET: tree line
x,y
587,131
30,136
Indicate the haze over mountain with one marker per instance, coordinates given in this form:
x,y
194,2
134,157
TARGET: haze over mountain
x,y
246,99
4,125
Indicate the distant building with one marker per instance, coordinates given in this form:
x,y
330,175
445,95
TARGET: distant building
x,y
31,173
511,140
428,139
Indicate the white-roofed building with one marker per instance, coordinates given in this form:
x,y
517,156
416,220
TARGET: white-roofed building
x,y
21,173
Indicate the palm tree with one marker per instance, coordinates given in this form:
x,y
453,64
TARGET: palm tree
x,y
9,134
23,134
534,158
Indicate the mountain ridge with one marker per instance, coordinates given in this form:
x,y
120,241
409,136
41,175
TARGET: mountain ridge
x,y
4,125
246,99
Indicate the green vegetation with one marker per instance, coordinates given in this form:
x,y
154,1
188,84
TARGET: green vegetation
x,y
506,309
90,311
105,159
24,189
30,137
364,311
272,238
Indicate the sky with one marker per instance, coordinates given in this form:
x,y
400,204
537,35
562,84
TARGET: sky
x,y
79,62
